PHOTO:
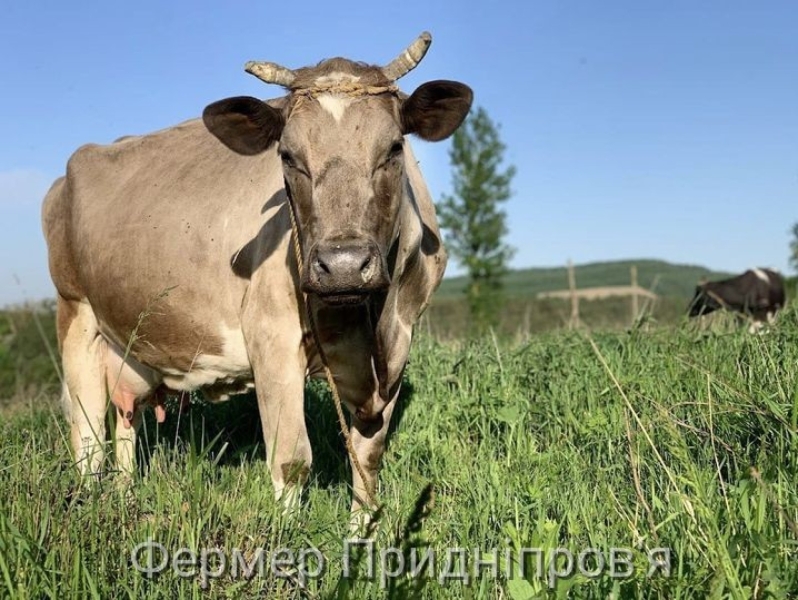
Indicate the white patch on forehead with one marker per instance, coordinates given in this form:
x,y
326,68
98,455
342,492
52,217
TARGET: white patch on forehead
x,y
335,105
762,275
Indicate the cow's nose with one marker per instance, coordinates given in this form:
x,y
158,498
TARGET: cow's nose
x,y
345,265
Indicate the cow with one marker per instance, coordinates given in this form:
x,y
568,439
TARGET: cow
x,y
757,294
252,248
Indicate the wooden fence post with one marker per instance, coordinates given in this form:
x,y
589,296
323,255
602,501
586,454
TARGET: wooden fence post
x,y
635,304
574,322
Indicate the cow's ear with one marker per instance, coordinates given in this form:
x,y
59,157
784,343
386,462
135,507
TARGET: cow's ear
x,y
244,124
436,109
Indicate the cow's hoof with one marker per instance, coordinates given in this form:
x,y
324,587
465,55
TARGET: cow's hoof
x,y
123,480
363,522
289,497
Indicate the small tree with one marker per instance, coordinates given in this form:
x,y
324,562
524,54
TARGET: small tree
x,y
794,248
472,219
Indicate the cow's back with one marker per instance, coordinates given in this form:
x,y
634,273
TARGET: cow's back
x,y
55,224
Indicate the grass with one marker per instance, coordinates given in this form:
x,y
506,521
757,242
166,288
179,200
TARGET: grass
x,y
665,438
520,317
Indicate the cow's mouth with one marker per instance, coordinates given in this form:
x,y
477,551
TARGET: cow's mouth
x,y
344,299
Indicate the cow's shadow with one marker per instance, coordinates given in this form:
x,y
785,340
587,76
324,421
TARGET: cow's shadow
x,y
254,253
229,433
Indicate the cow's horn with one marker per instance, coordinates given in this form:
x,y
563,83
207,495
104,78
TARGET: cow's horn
x,y
270,72
409,58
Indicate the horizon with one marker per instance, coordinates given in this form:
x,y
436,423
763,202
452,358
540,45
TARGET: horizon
x,y
28,302
635,131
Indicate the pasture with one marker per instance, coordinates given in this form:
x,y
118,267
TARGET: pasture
x,y
626,441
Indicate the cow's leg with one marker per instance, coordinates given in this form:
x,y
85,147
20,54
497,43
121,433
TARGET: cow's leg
x,y
368,441
125,443
129,383
280,387
82,350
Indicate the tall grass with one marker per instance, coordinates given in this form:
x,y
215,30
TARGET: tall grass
x,y
670,438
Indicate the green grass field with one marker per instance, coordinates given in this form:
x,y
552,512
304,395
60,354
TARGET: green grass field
x,y
619,442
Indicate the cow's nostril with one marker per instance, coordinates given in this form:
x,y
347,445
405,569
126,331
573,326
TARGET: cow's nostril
x,y
322,267
368,268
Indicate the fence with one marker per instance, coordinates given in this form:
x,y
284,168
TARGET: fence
x,y
525,314
633,290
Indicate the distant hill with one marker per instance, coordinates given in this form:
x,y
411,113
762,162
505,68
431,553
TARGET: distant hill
x,y
667,279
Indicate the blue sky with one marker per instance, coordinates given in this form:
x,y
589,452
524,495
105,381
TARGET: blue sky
x,y
638,129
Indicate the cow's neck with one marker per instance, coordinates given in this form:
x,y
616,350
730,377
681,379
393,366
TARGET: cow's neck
x,y
347,339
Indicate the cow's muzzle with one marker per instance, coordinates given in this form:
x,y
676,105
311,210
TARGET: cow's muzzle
x,y
345,272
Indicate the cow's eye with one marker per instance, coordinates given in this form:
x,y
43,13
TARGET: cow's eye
x,y
289,162
287,158
394,152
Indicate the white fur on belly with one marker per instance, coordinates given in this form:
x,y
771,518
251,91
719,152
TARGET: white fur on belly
x,y
231,366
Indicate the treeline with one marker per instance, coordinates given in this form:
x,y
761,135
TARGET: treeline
x,y
663,278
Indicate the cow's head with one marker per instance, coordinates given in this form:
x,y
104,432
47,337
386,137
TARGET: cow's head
x,y
704,301
340,137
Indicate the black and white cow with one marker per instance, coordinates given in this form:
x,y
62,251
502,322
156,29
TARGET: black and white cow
x,y
757,294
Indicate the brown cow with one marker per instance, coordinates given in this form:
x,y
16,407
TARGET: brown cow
x,y
173,260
